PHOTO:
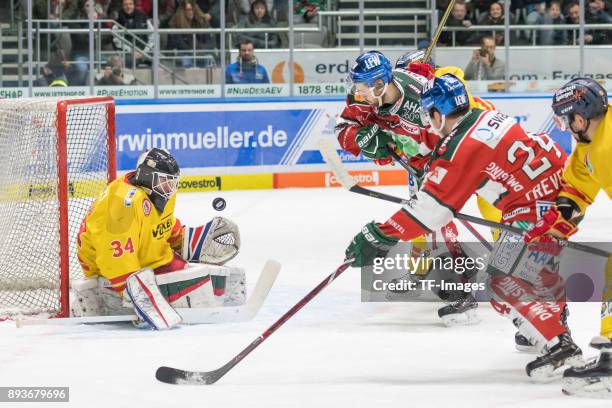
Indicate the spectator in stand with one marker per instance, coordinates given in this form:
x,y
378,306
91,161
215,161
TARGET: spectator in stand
x,y
189,15
537,13
114,74
458,18
54,72
58,10
259,17
246,70
552,15
238,10
482,6
77,74
306,11
146,6
131,18
167,8
572,13
212,7
484,65
572,16
495,16
596,14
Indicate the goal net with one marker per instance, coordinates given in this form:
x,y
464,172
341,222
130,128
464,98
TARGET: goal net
x,y
56,156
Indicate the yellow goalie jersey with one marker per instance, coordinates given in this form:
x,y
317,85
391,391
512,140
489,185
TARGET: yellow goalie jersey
x,y
123,233
589,170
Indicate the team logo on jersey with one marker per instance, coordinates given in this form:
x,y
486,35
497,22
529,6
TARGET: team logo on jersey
x,y
161,228
146,206
437,174
129,197
494,127
411,111
587,163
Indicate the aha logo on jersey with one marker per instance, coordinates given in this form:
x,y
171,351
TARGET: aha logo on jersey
x,y
411,111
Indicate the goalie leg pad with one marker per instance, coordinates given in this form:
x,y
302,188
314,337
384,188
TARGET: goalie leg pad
x,y
190,287
214,243
149,304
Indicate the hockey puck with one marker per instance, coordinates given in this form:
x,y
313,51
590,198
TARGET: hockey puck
x,y
219,204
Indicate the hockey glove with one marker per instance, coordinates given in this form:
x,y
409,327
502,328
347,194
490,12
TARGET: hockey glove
x,y
424,70
545,233
385,161
369,244
373,142
389,159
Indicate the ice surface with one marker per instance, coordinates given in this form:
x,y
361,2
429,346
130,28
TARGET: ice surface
x,y
337,352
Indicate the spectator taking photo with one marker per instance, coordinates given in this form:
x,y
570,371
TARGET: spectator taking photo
x,y
484,65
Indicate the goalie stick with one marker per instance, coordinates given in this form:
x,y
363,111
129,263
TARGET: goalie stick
x,y
223,314
330,155
171,375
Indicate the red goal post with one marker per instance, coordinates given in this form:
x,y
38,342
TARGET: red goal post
x,y
56,156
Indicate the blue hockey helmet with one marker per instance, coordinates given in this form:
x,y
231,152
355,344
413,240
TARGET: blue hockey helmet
x,y
412,56
369,67
446,93
583,96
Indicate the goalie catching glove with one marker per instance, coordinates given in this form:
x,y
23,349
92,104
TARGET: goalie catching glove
x,y
214,243
369,244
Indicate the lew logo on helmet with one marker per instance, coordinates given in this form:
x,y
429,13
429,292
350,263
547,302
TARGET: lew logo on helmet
x,y
372,62
460,99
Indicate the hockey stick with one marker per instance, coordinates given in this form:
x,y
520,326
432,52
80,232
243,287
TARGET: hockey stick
x,y
223,314
436,35
330,155
466,224
175,376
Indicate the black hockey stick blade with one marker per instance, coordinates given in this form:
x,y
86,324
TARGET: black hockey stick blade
x,y
171,375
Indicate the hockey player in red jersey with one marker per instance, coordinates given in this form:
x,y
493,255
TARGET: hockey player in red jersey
x,y
383,109
489,153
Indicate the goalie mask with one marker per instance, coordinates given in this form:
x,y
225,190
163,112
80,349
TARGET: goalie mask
x,y
158,174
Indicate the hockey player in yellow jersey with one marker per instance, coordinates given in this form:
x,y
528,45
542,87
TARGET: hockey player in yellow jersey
x,y
135,253
581,107
114,240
